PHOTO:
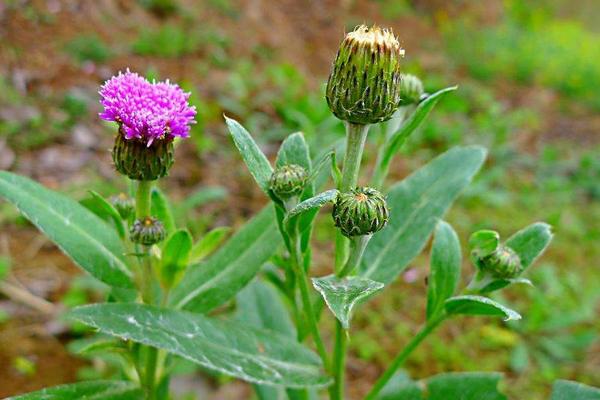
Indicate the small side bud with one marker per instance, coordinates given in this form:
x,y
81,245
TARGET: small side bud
x,y
502,263
364,84
411,90
124,204
147,231
143,161
362,211
288,181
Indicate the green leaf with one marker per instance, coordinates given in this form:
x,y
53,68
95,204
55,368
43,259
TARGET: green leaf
x,y
569,390
247,353
484,242
412,123
315,202
95,390
209,243
161,209
416,205
478,305
342,294
109,210
465,386
211,283
79,233
529,243
255,160
445,268
498,284
401,387
260,305
294,150
175,256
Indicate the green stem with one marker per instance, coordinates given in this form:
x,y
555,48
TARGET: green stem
x,y
150,372
359,244
336,391
356,136
400,358
302,281
142,199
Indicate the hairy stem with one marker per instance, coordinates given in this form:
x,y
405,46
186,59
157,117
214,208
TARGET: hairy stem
x,y
359,244
356,136
302,281
400,358
142,199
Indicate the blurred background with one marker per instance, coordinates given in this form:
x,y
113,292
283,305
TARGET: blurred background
x,y
528,77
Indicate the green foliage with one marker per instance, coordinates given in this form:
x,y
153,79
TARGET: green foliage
x,y
169,41
445,264
567,390
556,53
84,237
342,294
478,305
208,285
175,257
225,346
88,48
418,202
95,390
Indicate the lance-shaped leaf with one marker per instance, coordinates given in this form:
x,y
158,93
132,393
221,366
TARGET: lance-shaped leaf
x,y
94,390
444,268
161,209
569,390
529,243
109,210
479,305
497,284
247,353
255,160
464,386
294,150
396,141
416,204
260,305
209,243
79,233
313,203
175,257
211,283
342,294
401,387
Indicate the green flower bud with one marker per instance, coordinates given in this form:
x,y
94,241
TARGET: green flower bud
x,y
411,90
140,161
124,204
502,263
288,181
362,211
364,84
147,231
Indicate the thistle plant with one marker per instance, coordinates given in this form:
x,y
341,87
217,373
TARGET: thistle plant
x,y
164,286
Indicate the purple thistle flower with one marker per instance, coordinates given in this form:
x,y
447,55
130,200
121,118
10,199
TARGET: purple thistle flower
x,y
145,110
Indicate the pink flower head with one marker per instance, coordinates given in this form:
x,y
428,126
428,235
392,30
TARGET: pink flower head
x,y
145,110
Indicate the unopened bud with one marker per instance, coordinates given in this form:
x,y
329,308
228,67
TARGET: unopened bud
x,y
502,263
288,181
124,204
147,231
362,211
411,90
364,83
